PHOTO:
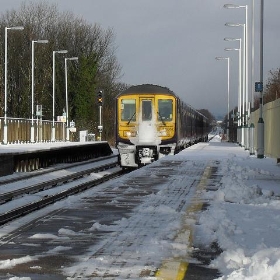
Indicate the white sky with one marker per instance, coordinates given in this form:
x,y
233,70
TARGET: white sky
x,y
174,43
243,217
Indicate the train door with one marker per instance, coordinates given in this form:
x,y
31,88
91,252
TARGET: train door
x,y
146,108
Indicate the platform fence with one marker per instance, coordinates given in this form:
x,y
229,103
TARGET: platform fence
x,y
271,118
19,130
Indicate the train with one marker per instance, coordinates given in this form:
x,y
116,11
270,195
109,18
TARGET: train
x,y
152,122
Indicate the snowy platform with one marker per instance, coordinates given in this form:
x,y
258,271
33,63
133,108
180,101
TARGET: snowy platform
x,y
150,223
29,157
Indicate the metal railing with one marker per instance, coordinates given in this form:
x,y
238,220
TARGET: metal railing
x,y
19,130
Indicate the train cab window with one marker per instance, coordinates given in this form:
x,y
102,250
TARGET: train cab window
x,y
128,110
146,110
165,109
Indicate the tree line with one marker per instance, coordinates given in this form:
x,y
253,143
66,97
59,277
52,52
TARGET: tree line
x,y
97,67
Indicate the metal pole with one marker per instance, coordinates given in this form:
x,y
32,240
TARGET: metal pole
x,y
53,127
66,96
100,122
228,60
260,142
252,126
244,88
32,95
66,100
32,140
239,82
253,54
5,107
246,131
239,91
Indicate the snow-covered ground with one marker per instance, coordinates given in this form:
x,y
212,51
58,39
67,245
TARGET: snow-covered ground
x,y
243,217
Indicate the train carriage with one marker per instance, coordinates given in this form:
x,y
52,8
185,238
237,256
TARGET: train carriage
x,y
152,122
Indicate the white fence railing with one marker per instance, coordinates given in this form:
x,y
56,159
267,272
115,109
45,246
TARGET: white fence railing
x,y
19,130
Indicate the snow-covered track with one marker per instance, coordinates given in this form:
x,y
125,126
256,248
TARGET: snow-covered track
x,y
34,196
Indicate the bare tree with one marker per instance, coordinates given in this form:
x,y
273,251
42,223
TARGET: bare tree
x,y
272,89
97,68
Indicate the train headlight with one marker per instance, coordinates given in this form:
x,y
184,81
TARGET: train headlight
x,y
130,133
163,132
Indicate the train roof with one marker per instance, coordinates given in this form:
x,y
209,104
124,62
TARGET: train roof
x,y
150,88
147,88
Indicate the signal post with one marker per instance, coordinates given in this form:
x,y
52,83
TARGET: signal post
x,y
100,103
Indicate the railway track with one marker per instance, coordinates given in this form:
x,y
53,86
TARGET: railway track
x,y
27,196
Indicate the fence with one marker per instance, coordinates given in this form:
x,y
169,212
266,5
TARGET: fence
x,y
271,117
19,130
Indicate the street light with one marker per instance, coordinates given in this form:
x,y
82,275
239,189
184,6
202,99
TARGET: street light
x,y
239,137
245,93
246,128
228,63
253,52
32,87
66,95
5,140
53,127
252,126
260,139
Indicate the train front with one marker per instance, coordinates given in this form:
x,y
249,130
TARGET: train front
x,y
145,128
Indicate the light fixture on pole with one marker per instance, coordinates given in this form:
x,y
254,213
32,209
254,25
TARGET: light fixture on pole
x,y
242,142
239,82
66,95
252,126
228,67
260,139
53,126
246,128
32,140
253,52
5,139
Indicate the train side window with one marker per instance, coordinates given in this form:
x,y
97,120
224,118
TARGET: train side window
x,y
146,110
165,109
128,110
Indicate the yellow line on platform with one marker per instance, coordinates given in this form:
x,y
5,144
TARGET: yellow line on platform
x,y
176,268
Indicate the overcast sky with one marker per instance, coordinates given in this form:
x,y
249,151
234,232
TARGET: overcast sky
x,y
174,43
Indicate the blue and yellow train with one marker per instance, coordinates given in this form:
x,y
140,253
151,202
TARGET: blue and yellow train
x,y
152,122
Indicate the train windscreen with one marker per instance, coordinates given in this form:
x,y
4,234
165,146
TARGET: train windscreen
x,y
146,110
128,110
165,109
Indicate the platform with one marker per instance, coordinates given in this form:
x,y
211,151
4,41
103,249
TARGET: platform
x,y
189,216
29,157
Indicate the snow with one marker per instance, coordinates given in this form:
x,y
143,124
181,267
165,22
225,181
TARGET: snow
x,y
243,217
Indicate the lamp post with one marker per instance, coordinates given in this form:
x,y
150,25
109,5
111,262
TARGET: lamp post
x,y
53,127
252,126
228,66
239,82
242,142
260,142
253,52
66,95
246,104
5,140
32,87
